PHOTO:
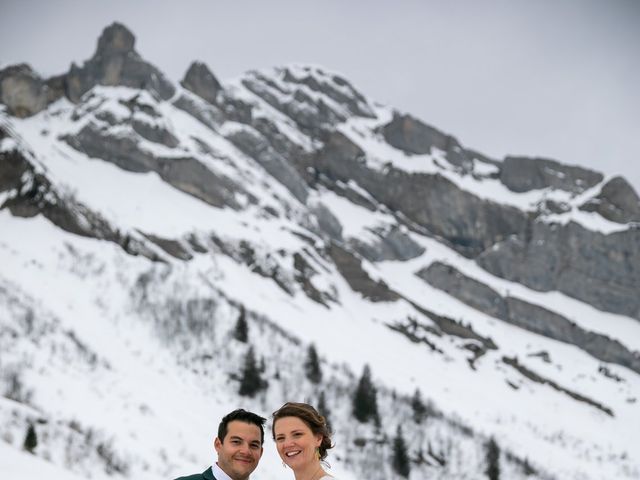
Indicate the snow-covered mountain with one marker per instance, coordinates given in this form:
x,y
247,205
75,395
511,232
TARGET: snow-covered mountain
x,y
140,220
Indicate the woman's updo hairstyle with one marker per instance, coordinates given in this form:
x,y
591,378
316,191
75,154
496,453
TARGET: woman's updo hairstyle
x,y
311,418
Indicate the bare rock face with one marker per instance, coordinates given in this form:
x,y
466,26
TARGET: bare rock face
x,y
115,62
254,144
522,174
432,201
591,266
186,174
336,88
411,135
22,90
617,202
392,244
202,82
526,315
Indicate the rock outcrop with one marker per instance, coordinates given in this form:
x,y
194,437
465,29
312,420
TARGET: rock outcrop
x,y
470,225
600,269
23,91
526,315
116,62
202,82
617,202
522,174
412,136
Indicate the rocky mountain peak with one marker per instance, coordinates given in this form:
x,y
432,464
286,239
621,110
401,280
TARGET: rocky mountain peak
x,y
117,63
201,81
22,90
115,39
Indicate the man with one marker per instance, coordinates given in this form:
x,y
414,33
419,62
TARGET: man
x,y
239,447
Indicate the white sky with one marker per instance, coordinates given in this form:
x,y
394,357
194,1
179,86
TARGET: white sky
x,y
547,78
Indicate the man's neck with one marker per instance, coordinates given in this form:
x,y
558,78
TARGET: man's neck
x,y
219,473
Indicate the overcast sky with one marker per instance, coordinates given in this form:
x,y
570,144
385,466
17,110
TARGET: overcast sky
x,y
550,78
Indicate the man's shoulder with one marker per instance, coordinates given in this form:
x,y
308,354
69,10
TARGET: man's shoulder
x,y
206,475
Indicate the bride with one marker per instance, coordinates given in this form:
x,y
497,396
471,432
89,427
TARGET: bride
x,y
302,439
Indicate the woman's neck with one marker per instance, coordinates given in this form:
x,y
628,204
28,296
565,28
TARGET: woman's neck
x,y
312,472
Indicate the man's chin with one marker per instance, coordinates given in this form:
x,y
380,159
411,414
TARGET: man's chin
x,y
244,468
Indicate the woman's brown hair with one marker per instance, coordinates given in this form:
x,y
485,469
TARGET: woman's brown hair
x,y
311,418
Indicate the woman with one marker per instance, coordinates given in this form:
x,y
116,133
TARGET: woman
x,y
302,439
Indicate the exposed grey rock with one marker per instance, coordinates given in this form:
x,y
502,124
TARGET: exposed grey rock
x,y
154,133
34,195
206,113
593,267
411,135
256,146
304,273
236,109
472,292
202,82
531,375
327,222
350,267
343,189
471,225
186,174
617,202
12,166
310,113
22,90
521,174
334,87
531,317
392,244
548,206
172,247
115,62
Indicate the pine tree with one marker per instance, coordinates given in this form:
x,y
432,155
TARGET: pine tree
x,y
324,410
31,439
312,365
492,460
418,406
251,381
365,403
400,460
241,332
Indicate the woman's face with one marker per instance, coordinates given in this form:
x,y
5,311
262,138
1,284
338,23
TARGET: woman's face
x,y
295,442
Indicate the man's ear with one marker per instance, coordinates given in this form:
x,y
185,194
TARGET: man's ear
x,y
217,444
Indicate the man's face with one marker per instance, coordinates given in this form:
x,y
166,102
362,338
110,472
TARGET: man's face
x,y
241,450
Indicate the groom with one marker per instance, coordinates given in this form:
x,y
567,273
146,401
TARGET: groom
x,y
239,447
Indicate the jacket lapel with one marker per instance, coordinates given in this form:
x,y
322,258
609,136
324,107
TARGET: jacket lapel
x,y
208,474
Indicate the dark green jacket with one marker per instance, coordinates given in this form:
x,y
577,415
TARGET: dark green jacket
x,y
206,475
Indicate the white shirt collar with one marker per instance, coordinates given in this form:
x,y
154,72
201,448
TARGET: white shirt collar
x,y
219,473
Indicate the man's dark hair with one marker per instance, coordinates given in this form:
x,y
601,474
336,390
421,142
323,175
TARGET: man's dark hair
x,y
241,415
